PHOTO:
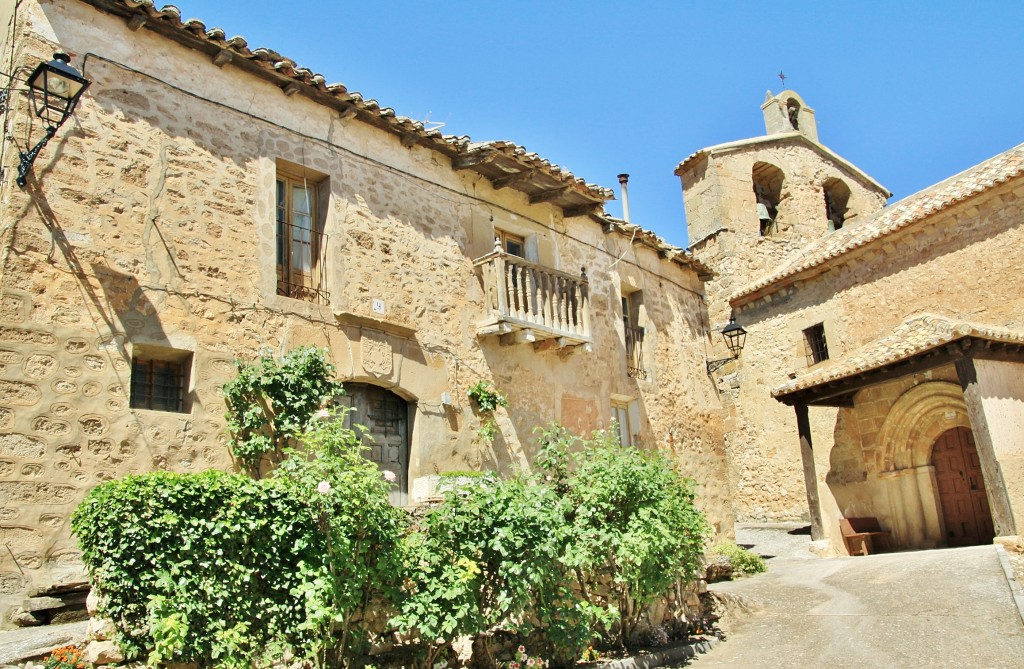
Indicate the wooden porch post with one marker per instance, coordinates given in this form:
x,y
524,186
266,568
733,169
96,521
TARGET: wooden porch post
x,y
803,427
995,487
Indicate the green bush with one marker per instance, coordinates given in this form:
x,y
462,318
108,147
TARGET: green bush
x,y
214,568
180,560
491,559
271,401
633,528
744,562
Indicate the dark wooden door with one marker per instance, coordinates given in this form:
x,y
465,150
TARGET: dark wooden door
x,y
386,416
961,489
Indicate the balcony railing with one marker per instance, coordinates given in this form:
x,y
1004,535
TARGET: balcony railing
x,y
527,302
301,261
635,353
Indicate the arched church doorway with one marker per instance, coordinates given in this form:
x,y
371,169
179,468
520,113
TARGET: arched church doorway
x,y
386,416
961,489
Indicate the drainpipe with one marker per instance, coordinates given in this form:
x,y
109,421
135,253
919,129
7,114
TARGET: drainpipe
x,y
623,180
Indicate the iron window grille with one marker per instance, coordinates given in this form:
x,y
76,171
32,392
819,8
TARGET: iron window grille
x,y
158,385
815,344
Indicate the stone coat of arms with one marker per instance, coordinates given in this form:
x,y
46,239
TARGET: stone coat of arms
x,y
376,353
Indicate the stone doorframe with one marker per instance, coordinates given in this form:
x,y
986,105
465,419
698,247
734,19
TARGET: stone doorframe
x,y
904,460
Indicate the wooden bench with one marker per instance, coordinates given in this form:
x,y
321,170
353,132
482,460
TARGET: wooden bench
x,y
864,536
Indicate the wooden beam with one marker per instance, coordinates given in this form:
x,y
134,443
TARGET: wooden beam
x,y
292,88
347,114
137,21
548,195
821,395
222,58
995,486
471,159
580,209
512,179
803,428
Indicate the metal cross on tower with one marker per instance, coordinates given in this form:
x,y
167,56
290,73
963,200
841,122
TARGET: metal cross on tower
x,y
783,77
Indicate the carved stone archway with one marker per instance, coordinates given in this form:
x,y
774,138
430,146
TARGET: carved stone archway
x,y
915,421
903,463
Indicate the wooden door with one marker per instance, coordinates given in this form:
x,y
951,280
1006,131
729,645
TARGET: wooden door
x,y
961,489
386,416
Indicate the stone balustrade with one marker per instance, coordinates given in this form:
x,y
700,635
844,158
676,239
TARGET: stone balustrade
x,y
528,302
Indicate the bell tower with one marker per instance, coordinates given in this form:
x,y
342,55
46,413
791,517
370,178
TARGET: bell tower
x,y
787,112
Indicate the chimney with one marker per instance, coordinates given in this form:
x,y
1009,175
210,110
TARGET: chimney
x,y
623,180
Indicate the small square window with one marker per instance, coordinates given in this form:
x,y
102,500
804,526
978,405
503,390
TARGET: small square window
x,y
160,382
514,245
815,345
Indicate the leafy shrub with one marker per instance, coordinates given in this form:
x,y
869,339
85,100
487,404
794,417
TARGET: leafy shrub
x,y
271,401
487,400
633,528
489,559
179,559
744,562
213,568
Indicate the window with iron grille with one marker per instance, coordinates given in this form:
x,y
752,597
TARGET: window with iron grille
x,y
301,244
815,344
159,384
634,335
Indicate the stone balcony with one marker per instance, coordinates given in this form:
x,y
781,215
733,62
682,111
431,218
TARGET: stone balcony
x,y
529,303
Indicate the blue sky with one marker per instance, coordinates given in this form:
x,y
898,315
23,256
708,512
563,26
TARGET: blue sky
x,y
911,92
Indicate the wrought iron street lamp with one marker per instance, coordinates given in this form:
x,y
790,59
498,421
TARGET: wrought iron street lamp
x,y
735,339
55,89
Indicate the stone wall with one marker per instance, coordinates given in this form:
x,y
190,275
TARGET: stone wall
x,y
765,468
149,225
959,263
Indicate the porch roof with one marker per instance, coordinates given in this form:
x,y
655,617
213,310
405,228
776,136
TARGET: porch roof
x,y
920,343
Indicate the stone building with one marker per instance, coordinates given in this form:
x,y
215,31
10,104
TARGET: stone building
x,y
209,201
895,332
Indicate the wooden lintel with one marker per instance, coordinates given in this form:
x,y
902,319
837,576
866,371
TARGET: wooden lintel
x,y
222,58
580,210
291,89
520,337
512,179
548,195
136,21
409,139
471,159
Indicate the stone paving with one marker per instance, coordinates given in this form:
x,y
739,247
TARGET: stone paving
x,y
948,608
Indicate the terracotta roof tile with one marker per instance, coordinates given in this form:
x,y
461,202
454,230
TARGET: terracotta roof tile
x,y
914,336
170,16
897,216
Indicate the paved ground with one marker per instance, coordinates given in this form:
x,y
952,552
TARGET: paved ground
x,y
940,608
